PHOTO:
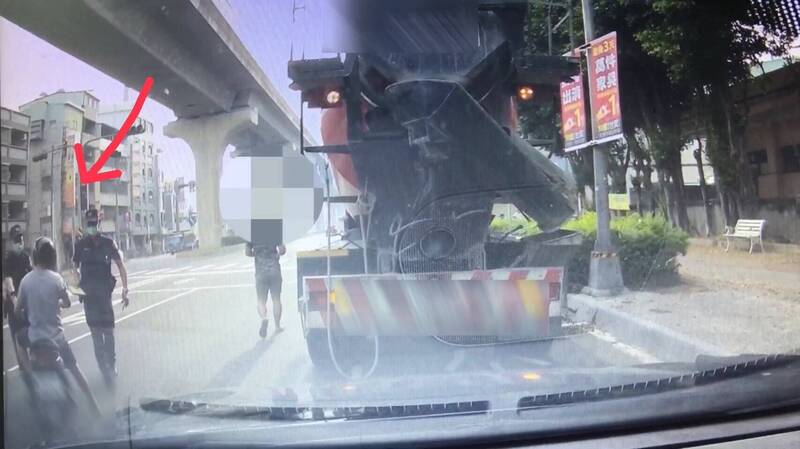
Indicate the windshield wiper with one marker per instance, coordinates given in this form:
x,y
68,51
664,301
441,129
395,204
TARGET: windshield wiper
x,y
210,410
711,370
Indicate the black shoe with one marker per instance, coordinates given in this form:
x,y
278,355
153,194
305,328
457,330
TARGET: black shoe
x,y
263,331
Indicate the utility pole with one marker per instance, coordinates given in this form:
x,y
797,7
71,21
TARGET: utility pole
x,y
605,274
117,185
52,196
56,219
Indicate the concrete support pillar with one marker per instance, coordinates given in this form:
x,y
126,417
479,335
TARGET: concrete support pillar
x,y
208,136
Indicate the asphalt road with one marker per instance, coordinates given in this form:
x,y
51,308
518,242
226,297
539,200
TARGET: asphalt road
x,y
192,326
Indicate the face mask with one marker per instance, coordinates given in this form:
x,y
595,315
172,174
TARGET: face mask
x,y
91,230
18,247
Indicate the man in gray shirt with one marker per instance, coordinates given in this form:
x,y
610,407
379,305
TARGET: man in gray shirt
x,y
42,294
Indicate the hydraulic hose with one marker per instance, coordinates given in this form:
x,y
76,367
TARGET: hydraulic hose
x,y
328,302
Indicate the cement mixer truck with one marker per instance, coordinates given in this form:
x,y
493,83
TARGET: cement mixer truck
x,y
420,146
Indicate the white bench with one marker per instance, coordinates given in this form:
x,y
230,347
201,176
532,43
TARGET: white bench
x,y
747,229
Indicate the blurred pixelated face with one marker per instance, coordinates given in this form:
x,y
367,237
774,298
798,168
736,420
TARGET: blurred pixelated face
x,y
270,199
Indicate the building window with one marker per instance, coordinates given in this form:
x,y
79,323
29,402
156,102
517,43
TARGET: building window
x,y
151,195
758,160
152,219
138,219
150,172
790,158
142,172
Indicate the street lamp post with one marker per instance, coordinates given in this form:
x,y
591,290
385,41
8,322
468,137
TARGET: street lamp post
x,y
605,275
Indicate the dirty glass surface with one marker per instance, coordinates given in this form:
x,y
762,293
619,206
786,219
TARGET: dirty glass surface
x,y
371,222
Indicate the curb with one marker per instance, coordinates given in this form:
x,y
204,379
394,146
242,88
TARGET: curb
x,y
659,341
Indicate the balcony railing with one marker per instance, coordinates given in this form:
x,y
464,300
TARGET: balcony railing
x,y
14,189
14,153
9,223
111,199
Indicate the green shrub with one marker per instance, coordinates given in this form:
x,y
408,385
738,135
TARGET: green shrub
x,y
503,225
646,246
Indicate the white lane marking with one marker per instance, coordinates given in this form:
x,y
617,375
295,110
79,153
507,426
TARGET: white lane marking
x,y
160,270
209,287
636,353
69,318
183,281
178,270
458,358
151,306
80,317
226,266
207,273
74,319
138,272
242,266
137,284
203,268
130,315
160,277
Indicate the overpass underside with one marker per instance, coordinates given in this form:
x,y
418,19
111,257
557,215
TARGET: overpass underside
x,y
201,70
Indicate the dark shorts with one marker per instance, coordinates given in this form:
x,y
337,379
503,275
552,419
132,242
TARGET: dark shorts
x,y
63,347
268,284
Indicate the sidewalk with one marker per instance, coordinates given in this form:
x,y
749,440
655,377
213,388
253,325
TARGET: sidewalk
x,y
733,301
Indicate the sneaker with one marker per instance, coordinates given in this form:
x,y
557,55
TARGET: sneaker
x,y
263,331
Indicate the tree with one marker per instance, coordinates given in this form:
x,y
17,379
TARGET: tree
x,y
677,57
651,102
709,47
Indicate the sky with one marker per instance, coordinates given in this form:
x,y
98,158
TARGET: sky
x,y
30,66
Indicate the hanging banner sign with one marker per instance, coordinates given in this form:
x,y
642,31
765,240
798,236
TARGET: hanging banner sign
x,y
68,169
573,114
604,89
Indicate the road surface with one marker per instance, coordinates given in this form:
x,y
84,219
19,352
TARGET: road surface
x,y
192,326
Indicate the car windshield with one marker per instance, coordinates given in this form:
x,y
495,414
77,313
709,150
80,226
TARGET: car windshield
x,y
224,218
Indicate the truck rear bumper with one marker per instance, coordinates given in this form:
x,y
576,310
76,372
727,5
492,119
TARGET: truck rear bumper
x,y
519,303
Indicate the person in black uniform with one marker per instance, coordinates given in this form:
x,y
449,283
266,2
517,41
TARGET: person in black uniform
x,y
268,281
93,256
16,264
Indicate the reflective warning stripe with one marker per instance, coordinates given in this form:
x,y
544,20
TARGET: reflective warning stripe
x,y
432,304
322,253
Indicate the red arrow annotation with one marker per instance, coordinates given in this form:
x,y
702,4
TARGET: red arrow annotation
x,y
93,174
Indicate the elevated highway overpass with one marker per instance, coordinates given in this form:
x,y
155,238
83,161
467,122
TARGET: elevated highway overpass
x,y
201,70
